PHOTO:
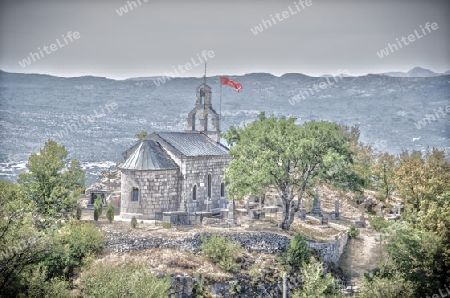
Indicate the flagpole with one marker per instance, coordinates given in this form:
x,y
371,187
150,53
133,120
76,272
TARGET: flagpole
x,y
220,105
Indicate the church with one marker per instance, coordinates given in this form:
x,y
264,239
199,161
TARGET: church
x,y
177,171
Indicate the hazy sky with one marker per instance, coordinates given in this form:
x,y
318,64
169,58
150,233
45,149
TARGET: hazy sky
x,y
325,37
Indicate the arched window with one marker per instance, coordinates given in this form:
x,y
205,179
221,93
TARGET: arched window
x,y
209,186
135,194
222,189
194,193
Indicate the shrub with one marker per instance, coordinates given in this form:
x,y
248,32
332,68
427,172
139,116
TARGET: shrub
x,y
297,253
378,224
353,231
100,280
315,284
95,214
134,222
201,289
221,251
37,284
79,211
166,225
74,241
110,213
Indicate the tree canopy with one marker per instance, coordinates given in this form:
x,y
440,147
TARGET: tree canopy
x,y
278,153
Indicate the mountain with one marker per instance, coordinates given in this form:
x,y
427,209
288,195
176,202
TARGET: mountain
x,y
416,72
96,119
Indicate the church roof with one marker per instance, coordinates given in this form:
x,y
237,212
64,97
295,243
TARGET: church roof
x,y
193,143
148,156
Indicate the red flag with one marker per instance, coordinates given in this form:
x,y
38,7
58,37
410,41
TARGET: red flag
x,y
228,82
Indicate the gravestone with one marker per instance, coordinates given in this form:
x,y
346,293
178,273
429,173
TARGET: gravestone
x,y
324,221
302,213
336,209
362,220
208,203
380,211
316,211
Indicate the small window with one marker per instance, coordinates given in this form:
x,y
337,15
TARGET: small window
x,y
194,193
135,195
209,185
222,189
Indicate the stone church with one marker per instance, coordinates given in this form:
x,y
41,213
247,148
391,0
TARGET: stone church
x,y
177,171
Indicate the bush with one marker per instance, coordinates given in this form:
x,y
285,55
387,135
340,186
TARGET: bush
x,y
315,284
353,231
378,224
79,211
134,281
134,222
297,253
95,214
110,213
221,251
37,284
69,246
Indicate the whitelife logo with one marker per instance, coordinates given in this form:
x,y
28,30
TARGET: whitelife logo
x,y
281,16
411,38
53,48
187,66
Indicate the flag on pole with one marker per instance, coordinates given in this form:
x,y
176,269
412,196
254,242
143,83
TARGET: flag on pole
x,y
228,82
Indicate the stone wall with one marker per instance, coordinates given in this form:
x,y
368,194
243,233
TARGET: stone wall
x,y
251,241
330,251
158,192
196,170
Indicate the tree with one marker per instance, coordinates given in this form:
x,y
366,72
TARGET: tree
x,y
79,211
98,205
421,178
380,286
315,283
141,136
272,152
52,182
297,253
383,171
110,213
417,254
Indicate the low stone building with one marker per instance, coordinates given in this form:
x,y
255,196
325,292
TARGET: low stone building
x,y
177,171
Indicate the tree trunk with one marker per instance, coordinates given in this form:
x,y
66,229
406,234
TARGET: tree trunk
x,y
288,211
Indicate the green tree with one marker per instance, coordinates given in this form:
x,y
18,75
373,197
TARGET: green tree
x,y
421,178
297,253
98,205
315,283
141,136
417,254
52,182
380,287
110,213
79,211
383,171
272,152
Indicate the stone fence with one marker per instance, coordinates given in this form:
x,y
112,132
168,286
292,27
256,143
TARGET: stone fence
x,y
330,251
261,242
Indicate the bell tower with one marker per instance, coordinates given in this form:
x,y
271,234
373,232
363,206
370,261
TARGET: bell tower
x,y
208,119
